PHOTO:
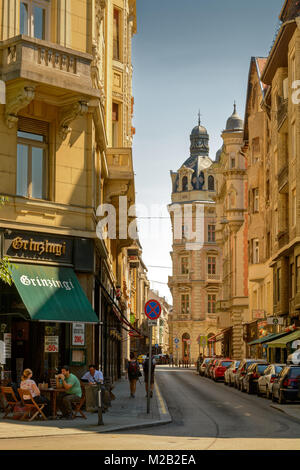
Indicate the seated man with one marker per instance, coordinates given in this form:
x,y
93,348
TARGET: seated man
x,y
73,391
93,376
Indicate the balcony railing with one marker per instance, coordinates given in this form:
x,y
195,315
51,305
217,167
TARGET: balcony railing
x,y
283,179
47,64
282,112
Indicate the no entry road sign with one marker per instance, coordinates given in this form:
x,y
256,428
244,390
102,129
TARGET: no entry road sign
x,y
152,309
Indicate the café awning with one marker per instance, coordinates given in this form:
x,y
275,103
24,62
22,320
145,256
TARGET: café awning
x,y
265,339
52,293
282,342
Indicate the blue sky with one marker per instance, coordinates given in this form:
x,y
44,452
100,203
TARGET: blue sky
x,y
187,55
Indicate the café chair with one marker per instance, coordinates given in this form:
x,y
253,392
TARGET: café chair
x,y
11,400
30,405
53,383
78,405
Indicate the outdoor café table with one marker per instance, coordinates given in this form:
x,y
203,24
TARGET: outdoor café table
x,y
53,397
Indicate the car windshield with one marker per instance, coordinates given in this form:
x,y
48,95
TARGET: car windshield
x,y
248,364
237,363
226,363
295,373
278,369
262,368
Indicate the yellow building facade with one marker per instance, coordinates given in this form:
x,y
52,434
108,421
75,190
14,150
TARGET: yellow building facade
x,y
66,132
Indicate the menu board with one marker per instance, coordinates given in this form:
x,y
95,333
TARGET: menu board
x,y
51,344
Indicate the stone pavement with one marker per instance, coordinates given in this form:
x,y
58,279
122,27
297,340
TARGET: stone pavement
x,y
125,413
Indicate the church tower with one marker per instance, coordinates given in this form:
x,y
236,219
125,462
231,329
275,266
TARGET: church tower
x,y
196,258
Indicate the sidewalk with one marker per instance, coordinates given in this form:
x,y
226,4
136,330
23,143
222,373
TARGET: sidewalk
x,y
292,409
125,413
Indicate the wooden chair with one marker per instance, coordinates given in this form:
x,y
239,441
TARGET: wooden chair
x,y
78,405
53,383
30,405
11,400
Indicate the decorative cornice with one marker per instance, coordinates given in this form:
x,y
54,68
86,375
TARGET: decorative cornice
x,y
19,100
68,114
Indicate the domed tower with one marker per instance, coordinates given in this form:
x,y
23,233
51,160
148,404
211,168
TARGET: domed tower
x,y
195,281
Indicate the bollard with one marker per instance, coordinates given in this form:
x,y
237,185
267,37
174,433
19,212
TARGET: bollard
x,y
100,419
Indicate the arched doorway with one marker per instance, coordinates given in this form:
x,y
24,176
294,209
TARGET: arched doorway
x,y
186,346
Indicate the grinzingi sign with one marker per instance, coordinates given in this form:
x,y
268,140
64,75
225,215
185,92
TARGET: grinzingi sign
x,y
28,245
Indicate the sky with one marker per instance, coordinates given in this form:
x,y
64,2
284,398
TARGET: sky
x,y
187,55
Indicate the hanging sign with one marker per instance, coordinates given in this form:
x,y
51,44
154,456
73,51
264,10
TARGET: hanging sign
x,y
78,338
51,344
7,341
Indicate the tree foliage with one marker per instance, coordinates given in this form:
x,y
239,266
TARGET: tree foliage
x,y
5,271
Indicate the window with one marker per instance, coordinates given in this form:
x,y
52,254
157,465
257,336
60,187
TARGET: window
x,y
298,273
32,152
211,233
184,265
294,208
278,283
255,251
115,124
35,18
184,183
116,35
255,200
211,265
268,250
211,183
211,302
267,189
292,280
185,304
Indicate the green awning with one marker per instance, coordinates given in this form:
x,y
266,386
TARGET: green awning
x,y
267,338
52,294
282,342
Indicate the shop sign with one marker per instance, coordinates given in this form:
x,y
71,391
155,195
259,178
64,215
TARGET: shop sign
x,y
78,338
27,245
2,353
258,313
51,344
275,321
7,341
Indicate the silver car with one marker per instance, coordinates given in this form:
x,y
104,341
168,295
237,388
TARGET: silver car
x,y
229,375
265,382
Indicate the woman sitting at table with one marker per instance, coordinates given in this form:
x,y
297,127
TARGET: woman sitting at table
x,y
28,384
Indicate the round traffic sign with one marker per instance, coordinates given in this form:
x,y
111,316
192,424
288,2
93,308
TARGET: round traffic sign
x,y
176,340
152,309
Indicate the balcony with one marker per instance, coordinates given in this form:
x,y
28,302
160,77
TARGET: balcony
x,y
223,320
222,305
212,279
57,71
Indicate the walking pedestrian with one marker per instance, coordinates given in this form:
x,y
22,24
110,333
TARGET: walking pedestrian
x,y
133,373
146,370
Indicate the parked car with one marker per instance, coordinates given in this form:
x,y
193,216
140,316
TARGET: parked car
x,y
141,358
208,366
211,369
229,376
254,371
220,368
265,382
286,385
203,365
242,371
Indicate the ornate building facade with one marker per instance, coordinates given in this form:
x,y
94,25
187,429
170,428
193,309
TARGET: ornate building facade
x,y
196,259
66,132
232,237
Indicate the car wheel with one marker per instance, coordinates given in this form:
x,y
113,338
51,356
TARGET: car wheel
x,y
273,397
281,399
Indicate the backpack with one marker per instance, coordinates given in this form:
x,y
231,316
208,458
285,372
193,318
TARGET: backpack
x,y
134,369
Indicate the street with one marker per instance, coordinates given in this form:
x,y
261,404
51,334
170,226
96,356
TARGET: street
x,y
206,415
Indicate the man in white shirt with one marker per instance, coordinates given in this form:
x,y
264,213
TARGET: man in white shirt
x,y
93,376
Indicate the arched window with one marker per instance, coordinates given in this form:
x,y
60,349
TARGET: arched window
x,y
184,183
211,183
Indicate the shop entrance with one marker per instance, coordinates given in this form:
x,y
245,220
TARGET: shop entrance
x,y
186,347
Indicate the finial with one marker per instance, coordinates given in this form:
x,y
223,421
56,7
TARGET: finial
x,y
199,118
234,107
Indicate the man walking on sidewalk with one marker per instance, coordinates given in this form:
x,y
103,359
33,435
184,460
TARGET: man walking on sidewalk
x,y
133,373
146,369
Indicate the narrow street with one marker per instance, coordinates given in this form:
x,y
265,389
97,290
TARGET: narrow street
x,y
206,415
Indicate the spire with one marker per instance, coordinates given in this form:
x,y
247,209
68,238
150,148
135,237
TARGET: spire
x,y
199,118
234,107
